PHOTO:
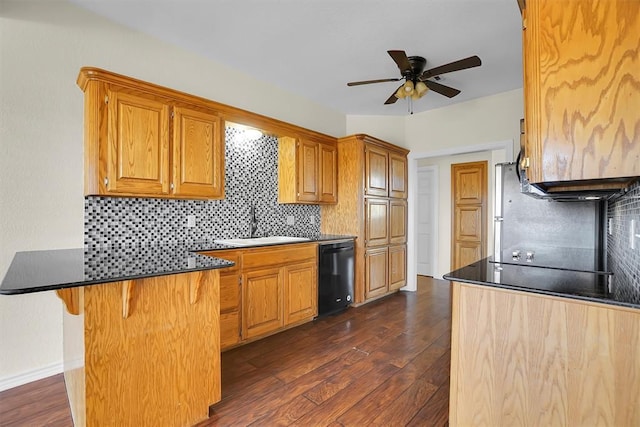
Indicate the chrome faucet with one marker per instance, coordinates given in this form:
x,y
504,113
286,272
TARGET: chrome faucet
x,y
253,223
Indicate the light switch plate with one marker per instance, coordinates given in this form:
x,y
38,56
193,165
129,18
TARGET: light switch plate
x,y
312,220
191,221
291,220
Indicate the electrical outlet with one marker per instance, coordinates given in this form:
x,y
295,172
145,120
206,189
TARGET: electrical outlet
x,y
191,262
291,220
312,220
191,221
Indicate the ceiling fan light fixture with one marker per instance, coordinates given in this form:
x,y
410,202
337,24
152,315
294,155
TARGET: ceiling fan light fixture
x,y
408,88
400,93
421,89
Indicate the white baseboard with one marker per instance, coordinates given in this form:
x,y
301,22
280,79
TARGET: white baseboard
x,y
30,376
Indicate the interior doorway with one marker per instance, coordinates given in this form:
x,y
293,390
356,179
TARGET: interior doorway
x,y
427,220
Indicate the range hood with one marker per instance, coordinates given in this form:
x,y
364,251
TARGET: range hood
x,y
574,192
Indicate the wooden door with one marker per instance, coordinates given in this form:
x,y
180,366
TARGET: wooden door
x,y
376,272
397,176
301,292
262,297
397,266
308,181
397,221
138,143
328,173
469,218
198,154
376,164
376,222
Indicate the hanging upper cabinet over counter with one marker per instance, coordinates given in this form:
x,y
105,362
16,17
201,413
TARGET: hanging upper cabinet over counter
x,y
582,93
307,170
148,141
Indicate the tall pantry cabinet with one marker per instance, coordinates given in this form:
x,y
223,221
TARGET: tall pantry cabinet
x,y
372,205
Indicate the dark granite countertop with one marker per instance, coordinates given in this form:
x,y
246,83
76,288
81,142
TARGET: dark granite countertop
x,y
589,286
37,271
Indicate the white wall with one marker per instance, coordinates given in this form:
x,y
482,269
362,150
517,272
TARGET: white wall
x,y
43,44
479,121
387,128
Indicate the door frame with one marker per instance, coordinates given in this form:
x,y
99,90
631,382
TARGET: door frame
x,y
412,160
434,212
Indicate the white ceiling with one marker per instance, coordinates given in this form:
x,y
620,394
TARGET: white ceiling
x,y
314,47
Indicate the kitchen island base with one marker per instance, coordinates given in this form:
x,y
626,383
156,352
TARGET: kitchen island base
x,y
520,358
143,352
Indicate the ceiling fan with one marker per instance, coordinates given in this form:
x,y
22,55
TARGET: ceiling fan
x,y
417,81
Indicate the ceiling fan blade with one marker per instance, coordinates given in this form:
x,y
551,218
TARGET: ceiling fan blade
x,y
366,82
447,91
400,58
463,64
393,98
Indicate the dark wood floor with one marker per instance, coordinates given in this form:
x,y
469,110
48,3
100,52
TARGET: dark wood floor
x,y
386,363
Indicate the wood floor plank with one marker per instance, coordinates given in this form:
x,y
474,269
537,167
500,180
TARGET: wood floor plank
x,y
384,363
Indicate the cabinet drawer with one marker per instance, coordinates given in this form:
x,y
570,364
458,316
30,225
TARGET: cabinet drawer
x,y
288,254
229,292
229,329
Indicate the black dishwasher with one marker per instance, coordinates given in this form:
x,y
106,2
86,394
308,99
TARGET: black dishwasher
x,y
335,276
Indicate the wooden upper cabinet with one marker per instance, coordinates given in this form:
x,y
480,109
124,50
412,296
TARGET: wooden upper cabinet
x,y
308,182
397,176
328,173
198,153
147,141
376,169
307,171
137,145
582,92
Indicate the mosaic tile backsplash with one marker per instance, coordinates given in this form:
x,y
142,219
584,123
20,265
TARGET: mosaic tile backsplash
x,y
623,261
251,178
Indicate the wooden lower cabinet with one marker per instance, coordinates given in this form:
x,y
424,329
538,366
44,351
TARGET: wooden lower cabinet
x,y
262,294
521,359
268,289
301,290
397,267
376,272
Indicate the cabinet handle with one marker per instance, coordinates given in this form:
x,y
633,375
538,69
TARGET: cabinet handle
x,y
526,162
106,181
106,99
171,186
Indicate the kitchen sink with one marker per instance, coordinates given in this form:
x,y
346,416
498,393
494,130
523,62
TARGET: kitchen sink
x,y
259,241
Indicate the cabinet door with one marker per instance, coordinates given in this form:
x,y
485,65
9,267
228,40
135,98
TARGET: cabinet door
x,y
262,293
376,222
138,144
308,181
398,221
301,292
376,163
328,173
397,266
198,154
397,176
583,89
376,272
